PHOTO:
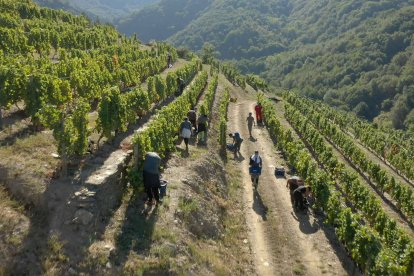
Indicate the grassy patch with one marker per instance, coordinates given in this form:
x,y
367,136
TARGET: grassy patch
x,y
55,256
162,234
298,269
148,266
11,215
203,255
31,154
187,205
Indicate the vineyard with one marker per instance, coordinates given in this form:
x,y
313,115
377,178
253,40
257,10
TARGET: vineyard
x,y
357,215
81,105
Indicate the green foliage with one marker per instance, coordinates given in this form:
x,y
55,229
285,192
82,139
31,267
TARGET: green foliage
x,y
92,64
163,19
160,134
208,101
378,246
352,54
315,114
225,100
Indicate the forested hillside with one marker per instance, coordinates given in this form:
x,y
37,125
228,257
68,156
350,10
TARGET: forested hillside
x,y
104,10
162,20
353,54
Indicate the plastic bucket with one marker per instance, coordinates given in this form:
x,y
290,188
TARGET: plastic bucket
x,y
163,188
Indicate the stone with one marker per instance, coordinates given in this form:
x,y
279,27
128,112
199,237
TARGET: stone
x,y
71,271
82,216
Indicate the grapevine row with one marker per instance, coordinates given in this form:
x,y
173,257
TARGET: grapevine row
x,y
208,101
117,110
356,192
402,194
364,244
160,134
224,104
393,146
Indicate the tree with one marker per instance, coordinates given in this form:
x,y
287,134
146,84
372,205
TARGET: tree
x,y
208,53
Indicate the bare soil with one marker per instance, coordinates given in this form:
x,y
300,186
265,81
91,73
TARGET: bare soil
x,y
284,242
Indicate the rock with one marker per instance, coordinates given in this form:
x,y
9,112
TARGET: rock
x,y
55,155
171,247
108,265
71,271
245,241
82,216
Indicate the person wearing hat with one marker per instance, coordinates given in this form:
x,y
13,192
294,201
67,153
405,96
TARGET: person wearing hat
x,y
151,176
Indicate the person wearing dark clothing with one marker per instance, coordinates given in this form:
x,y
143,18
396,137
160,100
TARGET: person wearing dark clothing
x,y
202,129
255,163
293,183
192,117
181,86
237,140
250,123
185,131
299,196
151,176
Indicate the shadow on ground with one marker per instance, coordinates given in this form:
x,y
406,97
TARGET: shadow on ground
x,y
258,205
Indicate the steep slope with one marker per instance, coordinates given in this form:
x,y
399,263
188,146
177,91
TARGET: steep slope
x,y
238,29
353,54
104,10
164,19
59,5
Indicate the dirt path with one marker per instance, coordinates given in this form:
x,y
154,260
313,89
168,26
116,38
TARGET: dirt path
x,y
283,242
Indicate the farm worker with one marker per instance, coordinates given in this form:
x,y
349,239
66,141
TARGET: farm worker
x,y
202,128
185,130
169,60
250,123
258,108
151,175
293,183
256,162
237,140
299,196
192,117
181,85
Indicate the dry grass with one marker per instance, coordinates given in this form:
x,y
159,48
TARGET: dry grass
x,y
14,227
209,257
55,256
30,155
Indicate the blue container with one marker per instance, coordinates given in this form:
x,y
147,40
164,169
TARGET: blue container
x,y
255,170
163,189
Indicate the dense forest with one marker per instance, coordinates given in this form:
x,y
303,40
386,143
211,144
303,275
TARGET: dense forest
x,y
162,20
353,54
104,10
